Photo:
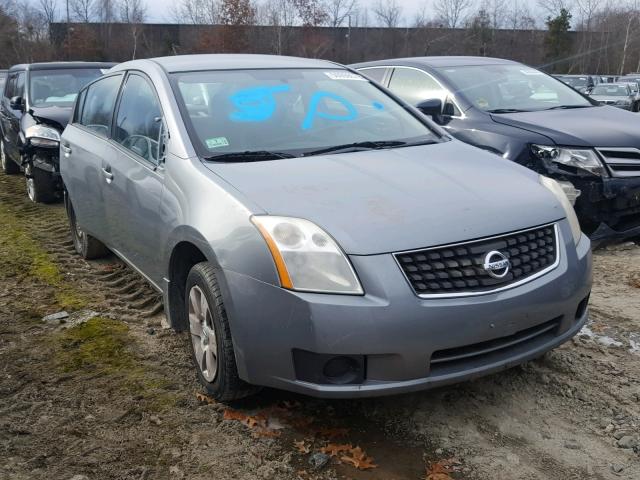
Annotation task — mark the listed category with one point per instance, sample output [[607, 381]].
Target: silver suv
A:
[[316, 234]]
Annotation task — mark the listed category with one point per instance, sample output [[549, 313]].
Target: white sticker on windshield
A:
[[344, 75], [217, 142], [531, 71]]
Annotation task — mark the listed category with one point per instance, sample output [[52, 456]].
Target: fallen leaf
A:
[[440, 470], [202, 398], [334, 449], [266, 433], [302, 446], [358, 458], [248, 420]]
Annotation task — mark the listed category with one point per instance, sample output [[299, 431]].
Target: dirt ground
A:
[[109, 393]]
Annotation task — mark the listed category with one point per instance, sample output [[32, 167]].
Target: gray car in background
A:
[[314, 233], [618, 95]]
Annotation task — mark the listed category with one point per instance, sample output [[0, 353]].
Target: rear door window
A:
[[99, 101]]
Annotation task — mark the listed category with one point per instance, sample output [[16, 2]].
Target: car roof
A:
[[186, 63], [60, 65], [435, 62]]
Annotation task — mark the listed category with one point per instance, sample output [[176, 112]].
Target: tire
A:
[[41, 187], [8, 166], [208, 325], [87, 246]]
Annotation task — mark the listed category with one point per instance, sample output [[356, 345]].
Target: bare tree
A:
[[452, 12], [553, 7], [198, 12], [49, 9], [340, 10], [82, 10], [388, 13], [105, 10], [133, 13]]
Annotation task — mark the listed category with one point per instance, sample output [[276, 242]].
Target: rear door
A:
[[84, 146], [134, 192]]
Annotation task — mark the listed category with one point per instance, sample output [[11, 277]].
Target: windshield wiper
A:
[[369, 145], [569, 107], [507, 110], [249, 156]]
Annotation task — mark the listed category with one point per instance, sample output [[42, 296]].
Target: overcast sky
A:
[[158, 10]]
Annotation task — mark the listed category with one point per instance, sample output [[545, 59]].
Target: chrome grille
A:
[[622, 162], [459, 269]]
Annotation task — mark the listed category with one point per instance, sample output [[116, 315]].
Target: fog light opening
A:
[[342, 370], [582, 307]]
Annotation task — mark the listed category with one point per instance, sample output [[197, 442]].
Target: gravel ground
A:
[[109, 393]]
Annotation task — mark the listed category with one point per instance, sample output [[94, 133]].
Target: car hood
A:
[[610, 98], [400, 199], [581, 127], [56, 115]]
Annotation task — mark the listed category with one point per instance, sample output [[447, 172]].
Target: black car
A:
[[35, 108], [525, 115]]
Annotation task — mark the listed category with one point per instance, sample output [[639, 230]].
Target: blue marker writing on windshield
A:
[[351, 113], [256, 104]]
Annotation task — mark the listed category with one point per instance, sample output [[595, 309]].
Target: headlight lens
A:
[[570, 213], [306, 257], [43, 136], [623, 102], [583, 159]]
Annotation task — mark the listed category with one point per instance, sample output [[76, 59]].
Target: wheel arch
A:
[[186, 249]]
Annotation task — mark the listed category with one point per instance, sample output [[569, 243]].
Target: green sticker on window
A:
[[217, 142]]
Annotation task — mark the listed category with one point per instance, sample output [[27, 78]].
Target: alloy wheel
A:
[[203, 335]]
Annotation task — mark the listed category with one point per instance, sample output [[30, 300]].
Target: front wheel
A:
[[87, 246], [41, 187], [8, 166], [210, 337]]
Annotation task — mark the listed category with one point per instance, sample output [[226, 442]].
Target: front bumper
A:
[[609, 208], [400, 334]]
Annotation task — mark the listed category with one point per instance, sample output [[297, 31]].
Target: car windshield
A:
[[59, 88], [575, 81], [292, 112], [509, 88], [611, 90]]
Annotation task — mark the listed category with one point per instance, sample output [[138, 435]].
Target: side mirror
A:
[[17, 103], [431, 107]]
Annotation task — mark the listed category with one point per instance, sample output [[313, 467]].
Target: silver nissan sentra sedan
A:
[[314, 233]]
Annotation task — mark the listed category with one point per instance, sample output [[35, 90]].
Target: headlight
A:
[[306, 257], [583, 159], [570, 213], [623, 102], [42, 136]]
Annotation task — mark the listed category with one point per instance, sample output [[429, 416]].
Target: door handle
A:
[[107, 174], [66, 150]]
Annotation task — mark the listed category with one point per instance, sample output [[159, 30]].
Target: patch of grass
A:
[[22, 256], [105, 346]]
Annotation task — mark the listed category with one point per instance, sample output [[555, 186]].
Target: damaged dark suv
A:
[[36, 106], [527, 116]]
